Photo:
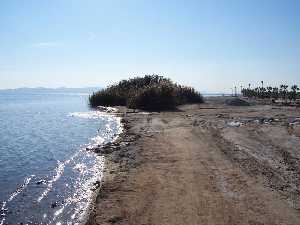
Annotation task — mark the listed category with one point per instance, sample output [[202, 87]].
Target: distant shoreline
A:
[[47, 90]]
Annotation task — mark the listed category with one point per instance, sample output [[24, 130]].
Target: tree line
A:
[[283, 92]]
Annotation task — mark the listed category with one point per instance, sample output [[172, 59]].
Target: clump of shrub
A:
[[157, 97], [237, 102], [151, 92]]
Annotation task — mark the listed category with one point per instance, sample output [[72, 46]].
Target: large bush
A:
[[158, 97], [151, 92]]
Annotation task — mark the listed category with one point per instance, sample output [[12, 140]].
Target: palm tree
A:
[[256, 92], [293, 92], [272, 92], [283, 91], [269, 91], [275, 93]]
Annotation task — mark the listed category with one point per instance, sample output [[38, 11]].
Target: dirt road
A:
[[205, 164]]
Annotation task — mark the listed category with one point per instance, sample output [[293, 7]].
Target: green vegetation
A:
[[151, 92], [273, 93]]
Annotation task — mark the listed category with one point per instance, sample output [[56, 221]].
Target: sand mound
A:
[[237, 102]]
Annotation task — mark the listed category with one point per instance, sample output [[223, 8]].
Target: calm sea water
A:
[[47, 176]]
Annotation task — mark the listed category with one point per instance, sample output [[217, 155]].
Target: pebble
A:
[[54, 204], [234, 124], [41, 182]]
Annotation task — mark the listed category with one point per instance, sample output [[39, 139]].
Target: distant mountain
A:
[[53, 90]]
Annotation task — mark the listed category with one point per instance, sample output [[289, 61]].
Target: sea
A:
[[48, 174]]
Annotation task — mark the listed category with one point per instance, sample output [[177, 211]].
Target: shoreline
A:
[[203, 164], [110, 152], [113, 159]]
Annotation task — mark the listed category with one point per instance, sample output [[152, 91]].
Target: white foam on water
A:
[[92, 115], [80, 167], [107, 109], [98, 140], [87, 115]]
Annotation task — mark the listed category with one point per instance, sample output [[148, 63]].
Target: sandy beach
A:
[[203, 164]]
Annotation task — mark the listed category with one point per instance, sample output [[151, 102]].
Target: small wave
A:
[[91, 115], [2, 215], [107, 109], [12, 196], [87, 115], [57, 213], [101, 112], [80, 167], [21, 188], [58, 172], [84, 190], [87, 165], [97, 140], [112, 131], [83, 197]]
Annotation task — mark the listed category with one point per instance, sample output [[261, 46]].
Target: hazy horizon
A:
[[210, 45], [47, 88], [80, 88]]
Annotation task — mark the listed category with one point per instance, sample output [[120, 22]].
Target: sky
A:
[[212, 45]]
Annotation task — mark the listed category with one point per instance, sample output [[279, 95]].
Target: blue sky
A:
[[209, 44]]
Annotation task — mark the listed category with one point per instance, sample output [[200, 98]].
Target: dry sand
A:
[[204, 164]]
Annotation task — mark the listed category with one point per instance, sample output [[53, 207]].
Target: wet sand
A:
[[204, 164]]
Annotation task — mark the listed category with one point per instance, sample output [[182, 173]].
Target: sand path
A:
[[188, 174]]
